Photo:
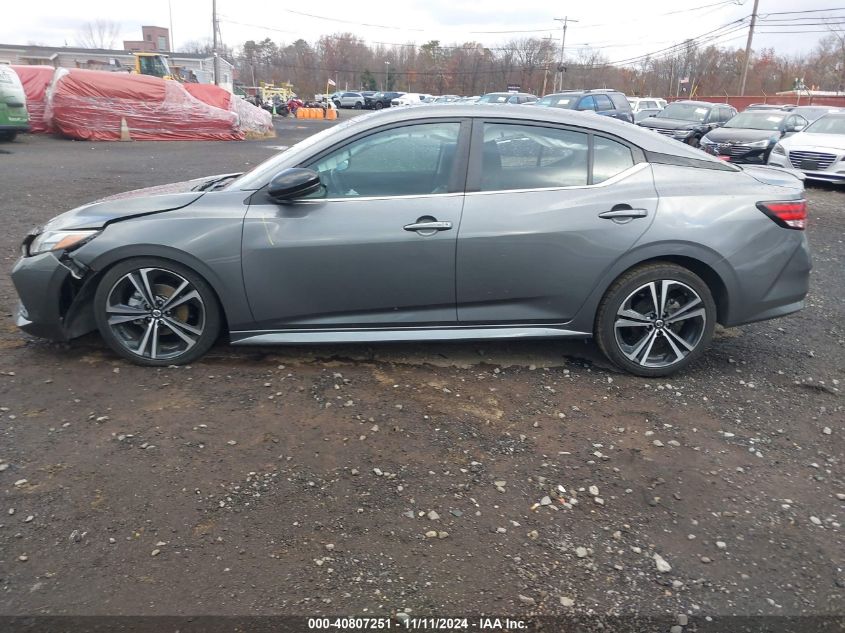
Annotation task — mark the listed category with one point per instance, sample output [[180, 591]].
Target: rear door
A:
[[548, 209]]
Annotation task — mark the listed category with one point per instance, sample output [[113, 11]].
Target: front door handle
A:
[[428, 226], [623, 213]]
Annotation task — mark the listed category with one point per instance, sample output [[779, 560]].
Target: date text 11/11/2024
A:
[[404, 621]]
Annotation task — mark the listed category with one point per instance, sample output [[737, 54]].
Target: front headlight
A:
[[760, 144], [59, 240], [778, 149], [682, 133]]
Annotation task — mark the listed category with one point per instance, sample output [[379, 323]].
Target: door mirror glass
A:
[[293, 183]]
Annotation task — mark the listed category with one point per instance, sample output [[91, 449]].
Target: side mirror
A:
[[293, 183]]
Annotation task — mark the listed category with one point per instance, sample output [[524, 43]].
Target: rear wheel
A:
[[379, 105], [655, 320], [156, 312]]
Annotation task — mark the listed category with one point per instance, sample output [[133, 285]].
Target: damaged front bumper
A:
[[54, 295]]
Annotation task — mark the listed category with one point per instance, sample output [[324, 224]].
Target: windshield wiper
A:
[[214, 183]]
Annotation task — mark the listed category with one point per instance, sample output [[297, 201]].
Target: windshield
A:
[[757, 121], [827, 125], [684, 112], [555, 101]]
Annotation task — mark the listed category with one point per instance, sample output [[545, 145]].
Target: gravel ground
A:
[[510, 478]]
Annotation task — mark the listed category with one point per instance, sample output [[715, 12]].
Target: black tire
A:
[[8, 136], [379, 105], [202, 313], [337, 104], [358, 105], [694, 141], [682, 285]]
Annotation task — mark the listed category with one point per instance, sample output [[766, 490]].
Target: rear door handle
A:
[[428, 226], [622, 214]]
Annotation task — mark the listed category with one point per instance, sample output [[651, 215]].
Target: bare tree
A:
[[98, 34]]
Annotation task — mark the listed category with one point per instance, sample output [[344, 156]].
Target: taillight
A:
[[790, 214]]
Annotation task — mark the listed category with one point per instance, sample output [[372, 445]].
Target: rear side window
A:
[[609, 158], [621, 101], [603, 103], [530, 157]]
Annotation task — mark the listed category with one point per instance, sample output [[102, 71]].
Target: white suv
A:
[[349, 100], [410, 98]]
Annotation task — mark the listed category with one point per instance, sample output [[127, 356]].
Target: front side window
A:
[[609, 158], [530, 157], [587, 103], [408, 160]]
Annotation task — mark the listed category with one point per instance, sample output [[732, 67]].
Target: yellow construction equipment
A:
[[153, 64]]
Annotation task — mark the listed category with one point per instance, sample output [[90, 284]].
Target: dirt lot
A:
[[302, 480]]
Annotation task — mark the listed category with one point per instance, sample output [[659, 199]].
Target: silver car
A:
[[818, 151], [450, 224]]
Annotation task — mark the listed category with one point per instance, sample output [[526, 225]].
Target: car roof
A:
[[646, 139], [706, 104]]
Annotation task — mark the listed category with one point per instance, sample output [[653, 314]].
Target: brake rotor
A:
[[163, 291]]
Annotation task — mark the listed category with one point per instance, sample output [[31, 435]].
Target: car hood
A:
[[740, 135], [129, 204], [815, 141], [668, 124]]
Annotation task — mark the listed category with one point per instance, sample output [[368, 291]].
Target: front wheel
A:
[[655, 320], [694, 141], [358, 105], [156, 312], [8, 136], [379, 105]]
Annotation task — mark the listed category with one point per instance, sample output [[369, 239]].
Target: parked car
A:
[[644, 103], [818, 151], [811, 113], [410, 98], [500, 98], [449, 227], [610, 103], [349, 100], [381, 100], [14, 117], [468, 100], [750, 136], [368, 93], [447, 99], [689, 121]]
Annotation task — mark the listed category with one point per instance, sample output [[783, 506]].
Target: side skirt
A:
[[371, 335]]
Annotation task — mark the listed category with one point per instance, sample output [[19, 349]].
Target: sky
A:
[[621, 30]]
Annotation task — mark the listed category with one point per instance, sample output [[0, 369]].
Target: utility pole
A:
[[564, 21], [214, 40], [748, 47], [386, 76], [170, 37]]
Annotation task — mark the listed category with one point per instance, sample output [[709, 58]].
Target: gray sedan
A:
[[450, 224]]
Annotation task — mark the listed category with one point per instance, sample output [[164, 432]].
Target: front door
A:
[[542, 223], [375, 248]]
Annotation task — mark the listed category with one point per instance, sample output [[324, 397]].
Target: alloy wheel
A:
[[660, 323], [155, 313]]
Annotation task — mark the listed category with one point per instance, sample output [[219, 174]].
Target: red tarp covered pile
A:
[[36, 80], [253, 121], [92, 105]]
